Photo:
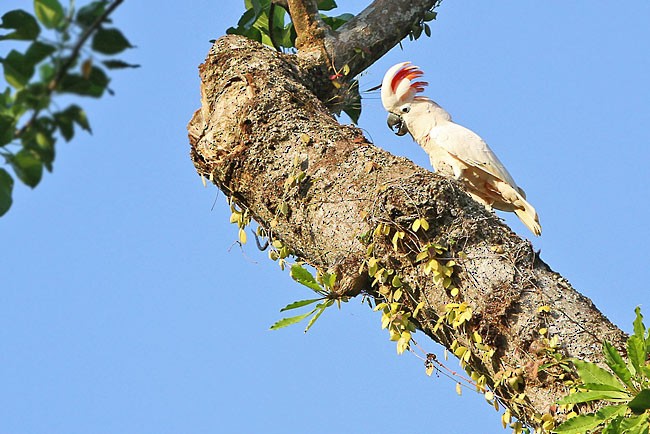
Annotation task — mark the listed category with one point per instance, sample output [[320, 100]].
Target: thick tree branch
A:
[[258, 116], [376, 30]]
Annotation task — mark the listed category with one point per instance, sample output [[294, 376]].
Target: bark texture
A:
[[259, 115], [361, 41]]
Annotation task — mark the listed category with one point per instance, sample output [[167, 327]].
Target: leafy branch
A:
[[30, 148], [72, 59]]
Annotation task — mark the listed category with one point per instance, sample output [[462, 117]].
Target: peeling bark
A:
[[258, 115]]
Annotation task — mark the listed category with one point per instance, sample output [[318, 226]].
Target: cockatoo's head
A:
[[398, 92]]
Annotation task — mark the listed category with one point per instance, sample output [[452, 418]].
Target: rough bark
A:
[[359, 43], [377, 29], [258, 115]]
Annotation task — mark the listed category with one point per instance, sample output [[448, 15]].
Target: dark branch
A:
[[282, 3]]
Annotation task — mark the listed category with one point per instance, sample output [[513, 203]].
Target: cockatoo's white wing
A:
[[467, 146]]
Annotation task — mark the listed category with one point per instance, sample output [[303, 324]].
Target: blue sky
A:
[[125, 305]]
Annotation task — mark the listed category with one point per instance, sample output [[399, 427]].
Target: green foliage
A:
[[50, 56], [24, 25], [626, 387], [421, 25], [255, 23], [322, 285], [49, 12], [6, 187], [110, 41], [278, 32]]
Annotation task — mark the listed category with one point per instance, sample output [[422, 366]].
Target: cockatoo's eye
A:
[[406, 109]]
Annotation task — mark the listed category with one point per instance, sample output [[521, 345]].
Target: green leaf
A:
[[23, 23], [639, 327], [46, 72], [353, 112], [49, 12], [7, 128], [329, 280], [634, 424], [6, 188], [301, 303], [17, 69], [326, 5], [250, 33], [321, 309], [430, 15], [290, 321], [78, 115], [33, 96], [416, 32], [257, 5], [248, 18], [304, 277], [27, 166], [595, 386], [45, 147], [579, 424], [641, 402], [636, 353], [38, 51], [94, 85], [590, 373], [118, 64], [610, 411], [287, 37], [65, 125], [338, 21], [110, 41], [65, 120], [88, 14], [616, 363], [596, 395], [39, 139], [613, 426]]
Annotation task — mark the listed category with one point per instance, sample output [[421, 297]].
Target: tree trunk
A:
[[260, 123]]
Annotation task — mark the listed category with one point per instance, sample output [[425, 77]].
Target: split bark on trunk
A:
[[259, 115]]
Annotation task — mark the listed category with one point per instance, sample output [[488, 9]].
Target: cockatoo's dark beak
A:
[[394, 121]]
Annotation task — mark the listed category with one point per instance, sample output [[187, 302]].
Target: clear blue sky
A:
[[125, 307]]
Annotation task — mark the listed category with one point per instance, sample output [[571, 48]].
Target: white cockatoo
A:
[[454, 150]]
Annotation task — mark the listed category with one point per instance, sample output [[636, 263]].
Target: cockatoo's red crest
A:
[[409, 72], [399, 87]]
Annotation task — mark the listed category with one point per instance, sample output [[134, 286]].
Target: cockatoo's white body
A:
[[454, 150]]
